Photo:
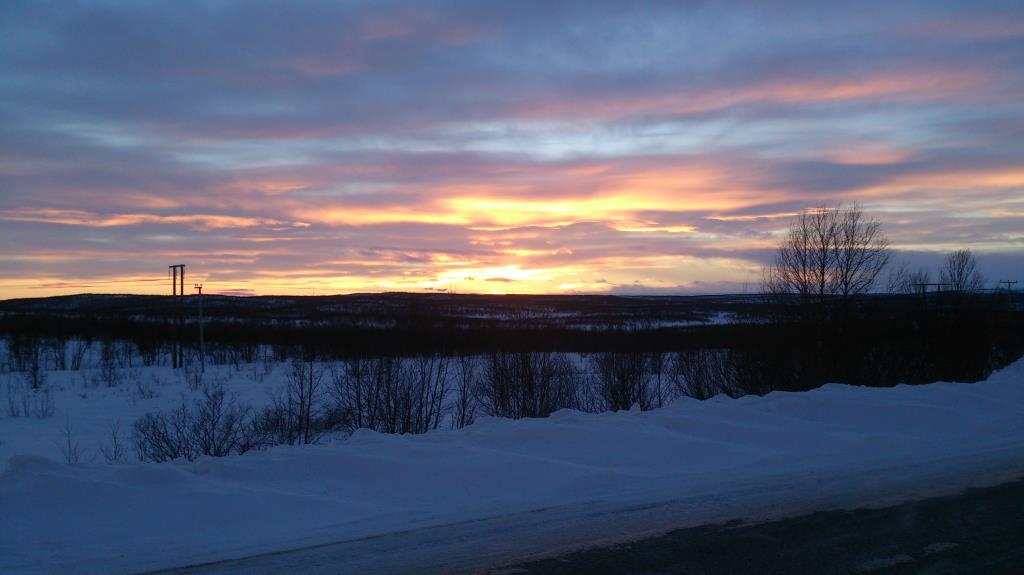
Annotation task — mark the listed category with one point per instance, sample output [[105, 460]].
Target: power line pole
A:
[[177, 354], [173, 272], [202, 342], [1009, 284]]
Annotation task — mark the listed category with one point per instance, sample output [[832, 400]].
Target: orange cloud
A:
[[90, 219]]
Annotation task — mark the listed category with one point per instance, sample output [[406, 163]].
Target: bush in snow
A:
[[660, 394], [705, 373], [43, 404], [463, 406], [79, 347], [701, 373], [35, 375], [214, 425], [263, 367], [114, 450], [304, 400], [69, 447], [192, 374], [389, 394], [360, 386], [425, 406], [146, 388], [622, 380], [109, 371], [22, 400], [298, 415], [528, 384]]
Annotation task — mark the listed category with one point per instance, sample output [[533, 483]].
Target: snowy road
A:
[[976, 531], [472, 546]]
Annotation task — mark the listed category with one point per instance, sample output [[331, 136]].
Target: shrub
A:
[[528, 384], [390, 395], [114, 451], [622, 380], [214, 425], [296, 416], [24, 401], [704, 373], [464, 405]]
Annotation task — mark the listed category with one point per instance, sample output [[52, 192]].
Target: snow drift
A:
[[99, 518]]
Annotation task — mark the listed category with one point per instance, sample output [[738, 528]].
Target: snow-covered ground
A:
[[82, 402], [721, 457]]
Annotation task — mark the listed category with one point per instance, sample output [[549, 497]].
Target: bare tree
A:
[[861, 253], [527, 384], [24, 401], [658, 365], [114, 451], [390, 395], [163, 437], [803, 260], [430, 387], [960, 272], [215, 425], [358, 389], [110, 372], [622, 380], [79, 347], [904, 281], [705, 373], [828, 252], [69, 448], [463, 408], [303, 397], [35, 375], [219, 423], [896, 283], [390, 401], [58, 350]]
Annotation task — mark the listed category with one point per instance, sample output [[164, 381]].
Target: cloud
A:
[[574, 147], [93, 220]]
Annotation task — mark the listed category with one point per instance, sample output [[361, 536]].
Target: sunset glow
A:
[[495, 148]]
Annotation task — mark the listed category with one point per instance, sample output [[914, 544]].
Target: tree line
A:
[[834, 254]]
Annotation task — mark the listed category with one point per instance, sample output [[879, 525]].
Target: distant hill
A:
[[565, 311]]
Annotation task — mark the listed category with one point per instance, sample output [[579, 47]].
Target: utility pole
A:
[[177, 354], [1009, 284], [202, 342]]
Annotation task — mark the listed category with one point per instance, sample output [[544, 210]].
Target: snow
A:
[[90, 407], [720, 458]]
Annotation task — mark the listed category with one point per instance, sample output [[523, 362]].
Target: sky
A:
[[495, 147]]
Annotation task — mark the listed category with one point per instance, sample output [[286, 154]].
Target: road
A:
[[479, 546], [980, 531]]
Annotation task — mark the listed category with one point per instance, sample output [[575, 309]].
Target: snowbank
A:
[[98, 518]]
